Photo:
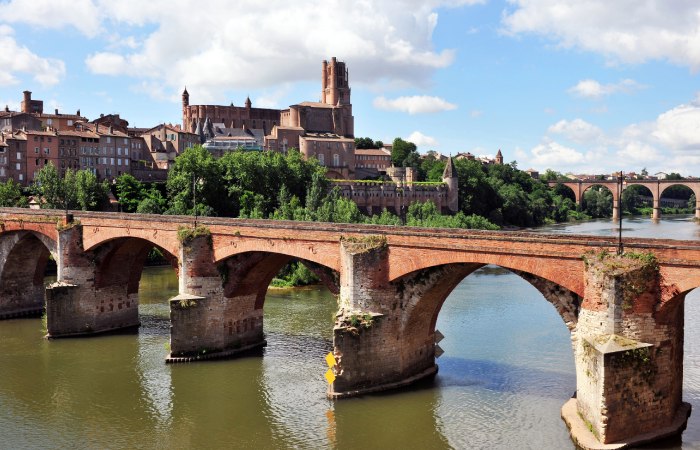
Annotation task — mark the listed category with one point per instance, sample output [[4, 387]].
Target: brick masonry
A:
[[391, 281]]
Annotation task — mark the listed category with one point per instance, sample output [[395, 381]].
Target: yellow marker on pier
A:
[[330, 375]]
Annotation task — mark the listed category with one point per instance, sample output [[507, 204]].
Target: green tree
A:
[[152, 203], [49, 188], [11, 195], [400, 151], [130, 192], [76, 190], [196, 175]]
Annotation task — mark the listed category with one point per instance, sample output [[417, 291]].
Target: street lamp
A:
[[195, 181], [620, 248]]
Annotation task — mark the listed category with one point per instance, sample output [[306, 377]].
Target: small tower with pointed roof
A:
[[449, 177], [185, 106], [499, 158]]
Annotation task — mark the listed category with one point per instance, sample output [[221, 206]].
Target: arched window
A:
[[336, 160], [321, 159]]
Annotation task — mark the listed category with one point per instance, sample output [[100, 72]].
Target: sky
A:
[[578, 86]]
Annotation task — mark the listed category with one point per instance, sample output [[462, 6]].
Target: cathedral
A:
[[323, 129]]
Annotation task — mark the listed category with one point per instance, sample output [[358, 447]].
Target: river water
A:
[[507, 370]]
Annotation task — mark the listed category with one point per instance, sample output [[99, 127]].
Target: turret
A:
[[185, 98], [449, 177], [499, 158], [27, 102], [248, 103]]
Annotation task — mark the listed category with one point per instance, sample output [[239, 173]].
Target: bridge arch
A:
[[320, 253], [119, 262], [565, 273], [24, 256], [250, 273], [426, 290], [96, 237]]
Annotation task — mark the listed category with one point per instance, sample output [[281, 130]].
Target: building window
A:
[[119, 161], [109, 140], [126, 162], [21, 176], [17, 167], [36, 150], [69, 122], [19, 155], [49, 121], [336, 160], [46, 151]]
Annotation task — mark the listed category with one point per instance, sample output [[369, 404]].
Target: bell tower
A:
[[335, 87], [185, 110]]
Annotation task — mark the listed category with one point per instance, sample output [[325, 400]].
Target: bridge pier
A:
[[367, 338], [384, 337], [76, 304], [615, 210], [629, 358], [205, 321], [656, 212]]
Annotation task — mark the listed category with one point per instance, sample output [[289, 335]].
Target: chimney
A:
[[56, 111], [78, 113]]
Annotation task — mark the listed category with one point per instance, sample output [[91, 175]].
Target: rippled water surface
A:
[[506, 371]]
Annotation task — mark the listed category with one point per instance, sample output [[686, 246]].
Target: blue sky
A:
[[577, 86]]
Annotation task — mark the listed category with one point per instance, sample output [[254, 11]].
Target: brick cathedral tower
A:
[[335, 89]]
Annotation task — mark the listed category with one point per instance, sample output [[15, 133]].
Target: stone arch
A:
[[323, 254], [564, 273], [119, 263], [24, 255], [570, 187], [423, 293], [96, 237], [249, 274], [665, 187], [588, 186], [653, 192]]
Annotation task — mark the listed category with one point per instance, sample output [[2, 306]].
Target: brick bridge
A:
[[625, 315], [657, 188]]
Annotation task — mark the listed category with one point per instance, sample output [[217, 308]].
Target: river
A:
[[506, 371]]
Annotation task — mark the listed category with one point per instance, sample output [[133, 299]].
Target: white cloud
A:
[[422, 140], [83, 15], [669, 142], [593, 89], [679, 128], [387, 43], [626, 31], [476, 113], [552, 154], [16, 59], [416, 104], [577, 130]]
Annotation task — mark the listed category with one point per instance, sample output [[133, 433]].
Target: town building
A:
[[56, 121], [13, 120], [371, 162], [162, 144]]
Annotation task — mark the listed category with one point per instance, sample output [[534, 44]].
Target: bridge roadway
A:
[[657, 188], [625, 316]]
